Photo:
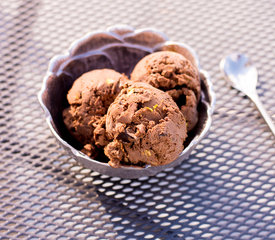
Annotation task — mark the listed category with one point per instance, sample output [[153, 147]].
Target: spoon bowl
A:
[[242, 75]]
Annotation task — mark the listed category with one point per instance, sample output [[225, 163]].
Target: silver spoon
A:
[[243, 76]]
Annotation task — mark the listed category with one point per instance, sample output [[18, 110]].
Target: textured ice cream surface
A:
[[187, 102], [145, 127], [173, 73], [89, 99]]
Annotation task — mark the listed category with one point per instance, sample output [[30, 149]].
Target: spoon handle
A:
[[254, 97]]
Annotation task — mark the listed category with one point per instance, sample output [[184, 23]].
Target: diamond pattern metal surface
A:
[[226, 190]]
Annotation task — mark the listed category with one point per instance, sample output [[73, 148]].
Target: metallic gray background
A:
[[225, 190]]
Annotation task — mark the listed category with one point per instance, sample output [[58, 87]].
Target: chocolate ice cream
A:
[[89, 99], [173, 73], [145, 126]]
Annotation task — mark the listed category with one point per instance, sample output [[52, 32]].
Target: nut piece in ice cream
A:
[[89, 99], [173, 73], [145, 127]]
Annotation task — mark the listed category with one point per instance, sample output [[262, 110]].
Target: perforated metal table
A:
[[226, 190]]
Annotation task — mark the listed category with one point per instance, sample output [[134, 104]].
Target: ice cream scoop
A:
[[89, 99], [175, 74], [145, 126]]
